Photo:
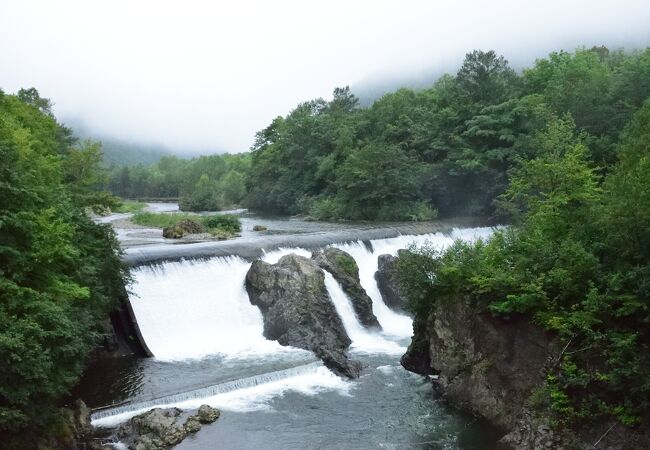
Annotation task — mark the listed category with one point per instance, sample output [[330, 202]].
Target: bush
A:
[[224, 222]]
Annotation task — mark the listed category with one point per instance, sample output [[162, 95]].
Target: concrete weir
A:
[[253, 247]]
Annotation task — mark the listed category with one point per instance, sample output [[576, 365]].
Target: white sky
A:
[[206, 75]]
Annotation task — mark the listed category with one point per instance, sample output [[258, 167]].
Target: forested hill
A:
[[446, 150]]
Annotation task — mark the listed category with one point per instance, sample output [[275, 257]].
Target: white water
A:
[[363, 340], [393, 323], [192, 309], [247, 394]]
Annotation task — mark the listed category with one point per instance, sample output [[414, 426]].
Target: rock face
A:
[[181, 228], [161, 428], [297, 310], [485, 365], [387, 282], [490, 367], [344, 269]]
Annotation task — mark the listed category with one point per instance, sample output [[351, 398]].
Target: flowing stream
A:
[[208, 347]]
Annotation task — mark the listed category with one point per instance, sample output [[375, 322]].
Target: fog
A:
[[205, 76]]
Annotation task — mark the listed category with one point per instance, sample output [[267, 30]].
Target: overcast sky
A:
[[206, 75]]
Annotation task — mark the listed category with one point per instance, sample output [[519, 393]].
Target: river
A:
[[206, 338]]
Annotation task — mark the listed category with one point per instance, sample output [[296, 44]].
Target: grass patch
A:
[[162, 220], [130, 206], [222, 226]]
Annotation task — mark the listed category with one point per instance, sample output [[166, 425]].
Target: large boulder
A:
[[388, 283], [298, 311], [345, 271], [182, 228]]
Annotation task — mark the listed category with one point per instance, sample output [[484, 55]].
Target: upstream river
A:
[[206, 338]]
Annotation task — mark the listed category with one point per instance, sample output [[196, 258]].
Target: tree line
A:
[[446, 150], [206, 183]]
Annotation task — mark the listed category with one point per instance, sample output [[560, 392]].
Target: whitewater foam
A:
[[363, 340], [246, 394], [191, 309]]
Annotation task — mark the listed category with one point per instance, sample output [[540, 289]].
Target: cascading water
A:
[[395, 324], [192, 309], [363, 340], [245, 394], [199, 310]]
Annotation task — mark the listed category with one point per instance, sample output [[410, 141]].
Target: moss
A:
[[348, 265]]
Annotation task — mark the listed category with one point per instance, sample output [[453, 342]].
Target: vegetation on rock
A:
[[576, 261]]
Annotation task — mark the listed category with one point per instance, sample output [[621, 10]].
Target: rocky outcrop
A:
[[345, 271], [388, 283], [485, 365], [161, 428], [490, 367], [182, 228], [297, 310]]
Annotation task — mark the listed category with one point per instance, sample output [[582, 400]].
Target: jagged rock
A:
[[345, 271], [81, 419], [208, 414], [486, 365], [388, 283], [259, 228], [417, 358], [181, 228], [297, 310]]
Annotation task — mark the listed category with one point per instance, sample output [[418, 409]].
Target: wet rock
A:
[[192, 424], [156, 429], [486, 365], [345, 271], [208, 414], [181, 228], [297, 310], [259, 228], [388, 283], [417, 358]]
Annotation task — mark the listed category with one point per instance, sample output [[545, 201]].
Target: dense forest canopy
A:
[[576, 262], [446, 150], [212, 182], [60, 273]]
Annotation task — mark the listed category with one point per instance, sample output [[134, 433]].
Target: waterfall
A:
[[245, 394], [194, 308], [393, 323], [191, 309], [363, 340]]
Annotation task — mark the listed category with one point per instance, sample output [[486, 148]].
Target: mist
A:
[[202, 77]]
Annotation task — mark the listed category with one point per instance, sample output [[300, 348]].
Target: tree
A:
[[485, 78]]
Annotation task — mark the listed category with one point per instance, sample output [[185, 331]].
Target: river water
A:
[[207, 342]]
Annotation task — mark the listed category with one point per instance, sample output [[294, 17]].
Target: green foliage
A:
[[226, 222], [215, 223], [447, 149], [207, 183], [576, 262], [60, 273], [348, 264]]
